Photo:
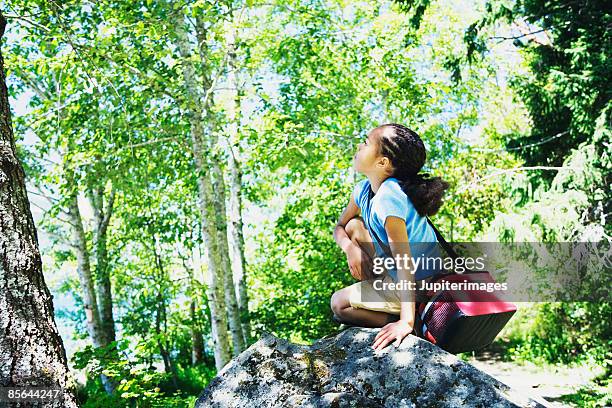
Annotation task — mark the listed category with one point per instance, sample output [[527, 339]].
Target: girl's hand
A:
[[358, 261], [392, 331]]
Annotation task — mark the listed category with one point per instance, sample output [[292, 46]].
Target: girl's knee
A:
[[339, 301], [359, 234], [335, 303], [355, 227]]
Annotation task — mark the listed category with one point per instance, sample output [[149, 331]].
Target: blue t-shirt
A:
[[390, 200]]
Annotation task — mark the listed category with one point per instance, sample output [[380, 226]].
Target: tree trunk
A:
[[88, 292], [235, 233], [161, 318], [206, 199], [236, 240], [228, 281], [32, 350], [197, 340], [219, 199], [231, 301], [102, 215]]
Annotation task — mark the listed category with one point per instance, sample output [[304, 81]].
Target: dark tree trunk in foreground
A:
[[31, 350]]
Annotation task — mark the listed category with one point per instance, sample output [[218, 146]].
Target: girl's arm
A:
[[354, 255], [400, 248], [340, 235]]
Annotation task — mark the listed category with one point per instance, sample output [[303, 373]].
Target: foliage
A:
[[306, 264], [592, 395], [566, 333], [138, 382], [105, 111], [567, 47]]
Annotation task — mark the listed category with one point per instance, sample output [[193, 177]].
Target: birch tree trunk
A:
[[88, 292], [102, 215], [219, 200], [206, 197], [235, 232], [228, 281], [32, 352]]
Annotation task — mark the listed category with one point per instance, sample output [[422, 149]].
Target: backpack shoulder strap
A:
[[447, 247], [387, 250]]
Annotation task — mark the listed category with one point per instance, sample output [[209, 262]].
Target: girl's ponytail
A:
[[407, 154], [425, 192]]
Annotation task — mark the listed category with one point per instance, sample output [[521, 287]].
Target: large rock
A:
[[344, 371]]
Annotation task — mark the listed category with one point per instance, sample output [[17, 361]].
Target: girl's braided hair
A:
[[407, 154]]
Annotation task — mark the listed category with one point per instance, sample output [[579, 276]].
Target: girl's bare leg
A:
[[360, 317], [340, 304], [359, 234]]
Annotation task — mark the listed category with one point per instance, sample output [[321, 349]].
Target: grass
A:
[[596, 394]]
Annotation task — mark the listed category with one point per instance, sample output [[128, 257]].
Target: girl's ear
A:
[[384, 162]]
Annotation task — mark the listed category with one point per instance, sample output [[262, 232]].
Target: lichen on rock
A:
[[344, 371]]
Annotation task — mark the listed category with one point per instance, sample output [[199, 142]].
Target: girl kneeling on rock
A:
[[386, 217]]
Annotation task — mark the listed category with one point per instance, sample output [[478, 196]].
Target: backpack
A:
[[459, 320]]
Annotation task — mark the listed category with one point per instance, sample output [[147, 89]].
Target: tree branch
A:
[[32, 23], [516, 37]]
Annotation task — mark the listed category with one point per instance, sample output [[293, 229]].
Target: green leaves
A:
[[106, 109]]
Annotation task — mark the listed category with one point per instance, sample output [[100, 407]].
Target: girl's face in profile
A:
[[367, 153]]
